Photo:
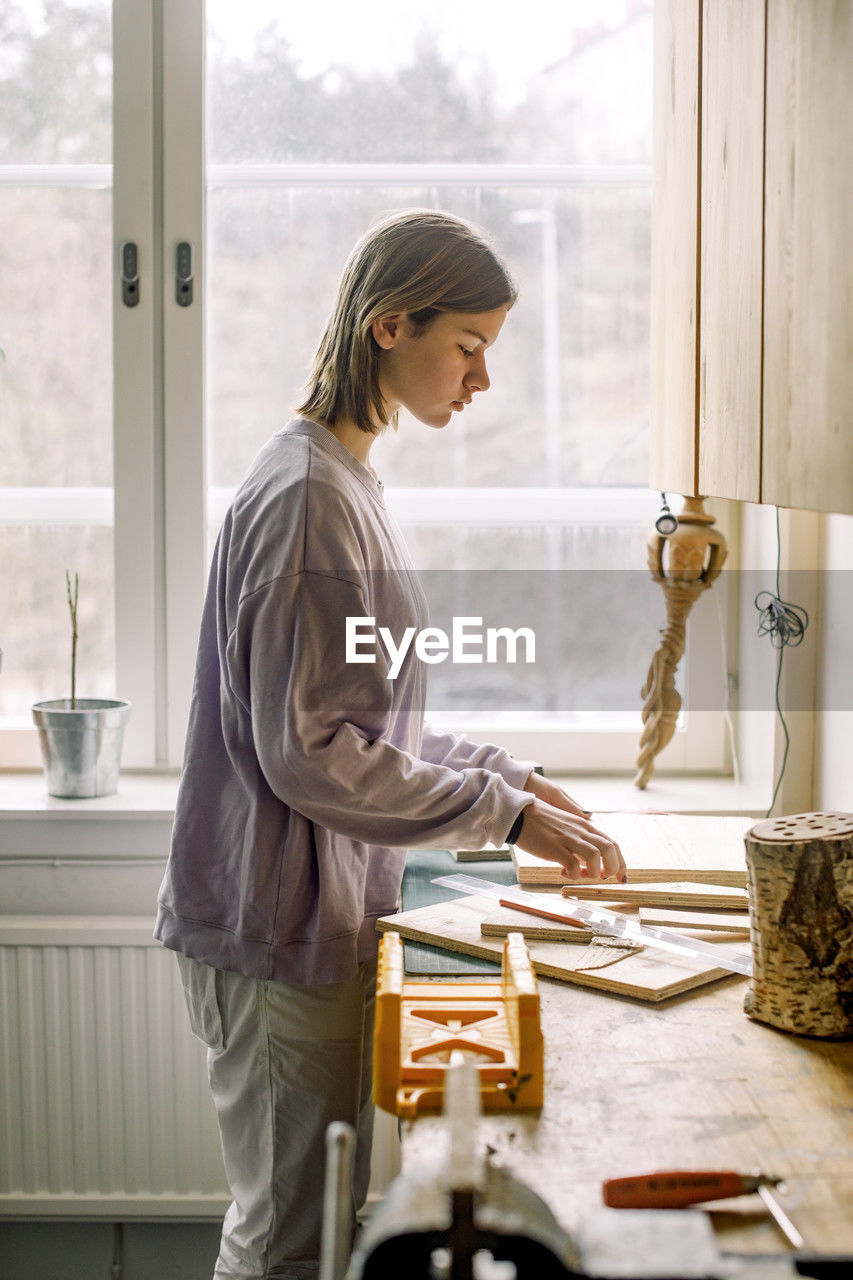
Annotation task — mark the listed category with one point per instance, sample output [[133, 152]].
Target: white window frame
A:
[[159, 513], [159, 424]]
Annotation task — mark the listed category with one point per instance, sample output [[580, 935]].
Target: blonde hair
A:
[[419, 261]]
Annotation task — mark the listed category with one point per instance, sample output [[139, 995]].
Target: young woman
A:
[[307, 776]]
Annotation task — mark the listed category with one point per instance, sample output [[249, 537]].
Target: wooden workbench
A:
[[693, 1083]]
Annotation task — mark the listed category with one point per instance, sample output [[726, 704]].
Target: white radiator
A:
[[104, 1104]]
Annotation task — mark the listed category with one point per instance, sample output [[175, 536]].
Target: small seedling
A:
[[72, 608]]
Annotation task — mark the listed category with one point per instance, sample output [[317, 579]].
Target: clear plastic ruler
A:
[[602, 920]]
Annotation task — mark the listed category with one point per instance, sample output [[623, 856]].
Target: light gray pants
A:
[[284, 1061]]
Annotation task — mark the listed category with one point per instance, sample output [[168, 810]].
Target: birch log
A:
[[800, 879]]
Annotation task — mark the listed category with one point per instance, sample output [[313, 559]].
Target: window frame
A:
[[160, 494], [137, 395]]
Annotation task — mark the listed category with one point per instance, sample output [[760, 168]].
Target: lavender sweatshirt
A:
[[306, 777]]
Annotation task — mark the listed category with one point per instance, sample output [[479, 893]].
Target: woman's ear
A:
[[386, 330]]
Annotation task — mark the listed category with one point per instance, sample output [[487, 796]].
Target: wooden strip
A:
[[488, 853], [698, 897], [505, 921], [726, 922]]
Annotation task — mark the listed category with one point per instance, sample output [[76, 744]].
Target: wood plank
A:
[[692, 896], [488, 853], [731, 249], [505, 920], [660, 848], [808, 298], [647, 975], [722, 921], [675, 215]]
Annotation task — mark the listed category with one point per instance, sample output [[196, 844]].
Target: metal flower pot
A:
[[81, 749]]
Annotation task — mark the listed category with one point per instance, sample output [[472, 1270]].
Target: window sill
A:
[[149, 799], [23, 793], [676, 793], [135, 823]]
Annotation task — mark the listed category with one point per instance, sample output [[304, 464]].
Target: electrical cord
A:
[[786, 625]]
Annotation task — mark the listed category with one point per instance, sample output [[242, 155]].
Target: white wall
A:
[[760, 735], [834, 732]]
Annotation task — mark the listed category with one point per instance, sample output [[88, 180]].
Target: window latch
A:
[[184, 274], [129, 273]]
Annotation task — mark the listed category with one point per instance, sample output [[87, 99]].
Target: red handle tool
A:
[[675, 1188]]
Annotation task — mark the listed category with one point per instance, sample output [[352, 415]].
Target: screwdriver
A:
[[675, 1188]]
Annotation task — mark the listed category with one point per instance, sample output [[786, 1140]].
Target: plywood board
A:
[[661, 847], [647, 975], [724, 921]]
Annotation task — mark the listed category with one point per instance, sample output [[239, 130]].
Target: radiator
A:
[[104, 1103]]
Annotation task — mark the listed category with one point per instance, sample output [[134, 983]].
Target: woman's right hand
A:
[[570, 839]]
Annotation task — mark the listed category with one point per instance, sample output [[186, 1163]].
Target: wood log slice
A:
[[800, 880]]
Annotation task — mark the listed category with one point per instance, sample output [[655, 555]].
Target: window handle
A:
[[184, 274], [129, 273]]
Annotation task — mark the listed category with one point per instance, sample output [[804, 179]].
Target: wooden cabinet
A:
[[752, 251]]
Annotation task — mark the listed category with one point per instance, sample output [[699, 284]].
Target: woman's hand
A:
[[552, 794], [555, 827]]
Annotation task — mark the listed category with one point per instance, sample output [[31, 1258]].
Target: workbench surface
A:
[[693, 1083]]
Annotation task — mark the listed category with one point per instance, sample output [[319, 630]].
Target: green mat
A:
[[422, 866]]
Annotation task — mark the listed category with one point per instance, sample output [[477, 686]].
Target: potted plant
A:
[[80, 738]]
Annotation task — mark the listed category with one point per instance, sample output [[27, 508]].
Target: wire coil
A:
[[784, 623]]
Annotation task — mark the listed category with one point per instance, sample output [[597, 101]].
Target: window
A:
[[537, 127], [56, 370]]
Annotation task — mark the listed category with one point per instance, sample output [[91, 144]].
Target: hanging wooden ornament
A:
[[685, 563]]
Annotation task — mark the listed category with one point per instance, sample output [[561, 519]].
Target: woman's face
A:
[[440, 371]]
